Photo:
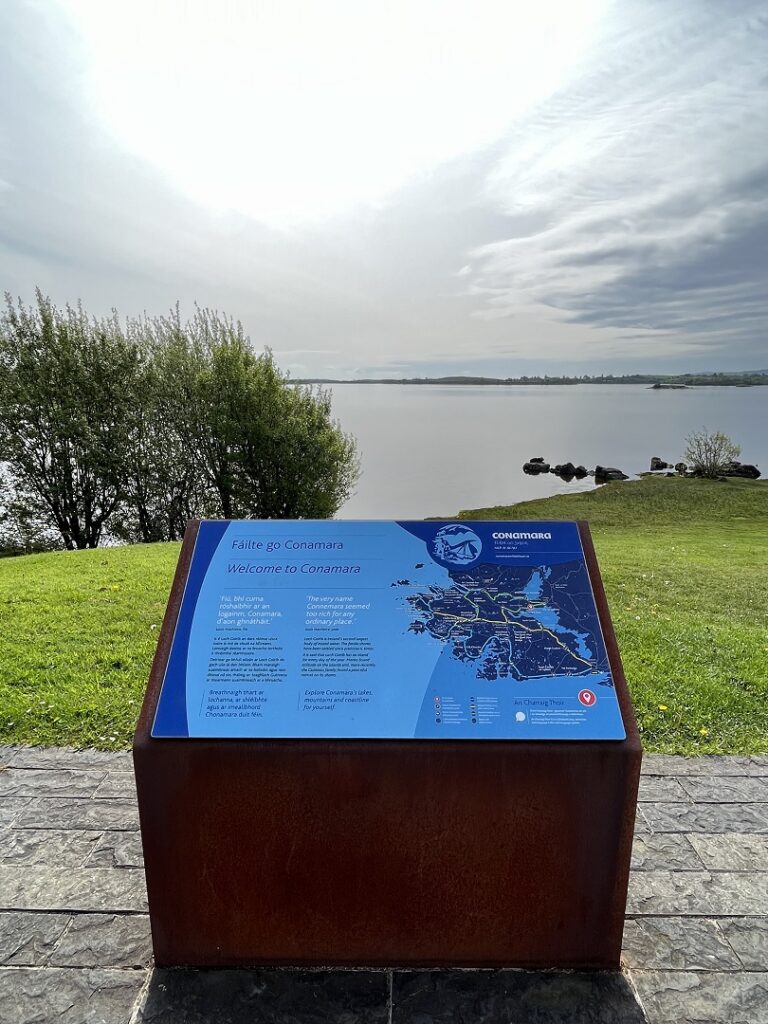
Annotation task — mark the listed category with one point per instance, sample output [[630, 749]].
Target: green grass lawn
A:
[[685, 563], [77, 634]]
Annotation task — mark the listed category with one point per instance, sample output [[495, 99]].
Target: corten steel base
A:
[[386, 852]]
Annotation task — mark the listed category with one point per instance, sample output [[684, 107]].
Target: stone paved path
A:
[[75, 945]]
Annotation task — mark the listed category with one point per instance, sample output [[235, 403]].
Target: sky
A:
[[406, 188]]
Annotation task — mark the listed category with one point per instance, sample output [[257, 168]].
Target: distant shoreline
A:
[[678, 382]]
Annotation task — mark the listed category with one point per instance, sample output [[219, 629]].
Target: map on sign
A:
[[341, 629], [516, 623]]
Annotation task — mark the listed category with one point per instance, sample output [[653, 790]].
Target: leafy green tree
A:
[[67, 403], [126, 433], [224, 408], [165, 483], [270, 449], [297, 462], [709, 452], [224, 433], [195, 385]]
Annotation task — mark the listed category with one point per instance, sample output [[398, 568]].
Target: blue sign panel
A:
[[429, 630]]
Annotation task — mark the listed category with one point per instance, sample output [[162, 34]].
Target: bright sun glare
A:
[[299, 110]]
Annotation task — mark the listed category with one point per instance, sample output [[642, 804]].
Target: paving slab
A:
[[11, 808], [68, 757], [678, 943], [104, 940], [731, 852], [46, 812], [748, 937], [27, 940], [47, 846], [703, 997], [266, 997], [713, 818], [724, 790], [709, 764], [493, 997], [698, 893], [30, 995], [7, 750], [641, 822], [83, 889], [45, 782], [117, 850], [665, 851], [117, 785], [662, 789]]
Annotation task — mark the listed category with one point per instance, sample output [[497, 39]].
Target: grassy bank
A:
[[77, 634], [685, 564]]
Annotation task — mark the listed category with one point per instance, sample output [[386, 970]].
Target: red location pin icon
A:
[[587, 698]]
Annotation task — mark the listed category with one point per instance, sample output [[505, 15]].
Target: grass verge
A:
[[77, 634]]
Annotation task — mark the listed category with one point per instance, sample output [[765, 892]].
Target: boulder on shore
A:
[[605, 474], [568, 471], [681, 468], [657, 464], [741, 469]]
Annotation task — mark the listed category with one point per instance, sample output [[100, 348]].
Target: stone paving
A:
[[75, 945]]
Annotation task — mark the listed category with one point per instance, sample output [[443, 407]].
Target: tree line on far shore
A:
[[117, 431], [749, 378]]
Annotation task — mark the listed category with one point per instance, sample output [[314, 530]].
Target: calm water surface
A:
[[431, 451]]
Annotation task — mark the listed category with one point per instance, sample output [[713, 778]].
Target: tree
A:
[[224, 409], [127, 433], [270, 449], [25, 527], [708, 453], [165, 483], [295, 462], [68, 395], [237, 438]]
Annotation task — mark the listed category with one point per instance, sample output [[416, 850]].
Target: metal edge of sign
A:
[[148, 712], [623, 696]]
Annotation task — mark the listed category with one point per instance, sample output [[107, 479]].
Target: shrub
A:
[[709, 452]]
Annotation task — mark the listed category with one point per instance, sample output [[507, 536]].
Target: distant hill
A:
[[735, 378]]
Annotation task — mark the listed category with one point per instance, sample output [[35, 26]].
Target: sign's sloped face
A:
[[372, 630]]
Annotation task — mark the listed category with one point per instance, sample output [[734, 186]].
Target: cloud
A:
[[641, 190], [85, 220], [621, 224]]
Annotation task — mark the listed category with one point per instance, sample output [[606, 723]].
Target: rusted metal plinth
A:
[[407, 852]]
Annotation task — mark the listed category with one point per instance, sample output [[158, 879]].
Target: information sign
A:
[[381, 629]]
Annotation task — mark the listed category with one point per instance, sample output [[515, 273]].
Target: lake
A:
[[429, 450]]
